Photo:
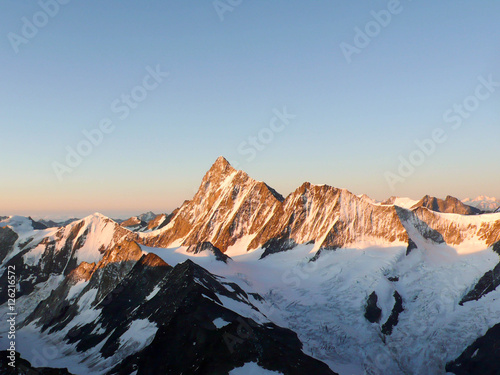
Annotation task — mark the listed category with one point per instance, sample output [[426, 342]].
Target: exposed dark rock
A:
[[423, 228], [56, 311], [7, 240], [228, 205], [411, 246], [486, 284], [373, 313], [185, 303], [201, 347], [448, 205], [319, 253], [277, 195], [257, 296], [482, 357], [134, 223], [277, 245], [37, 225], [57, 224], [160, 221], [394, 317], [496, 248], [23, 272], [207, 246], [23, 367]]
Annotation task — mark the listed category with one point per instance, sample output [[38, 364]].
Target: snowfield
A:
[[324, 301]]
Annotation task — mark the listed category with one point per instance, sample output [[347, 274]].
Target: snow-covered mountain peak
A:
[[404, 202], [218, 171], [17, 223], [368, 199], [147, 216], [228, 206], [95, 217], [448, 205]]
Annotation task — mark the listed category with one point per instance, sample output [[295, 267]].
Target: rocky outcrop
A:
[[181, 315], [393, 319], [7, 240], [228, 206], [455, 230], [57, 310], [448, 205], [134, 224], [160, 221], [331, 218], [23, 367], [373, 313], [486, 284], [201, 345], [62, 251], [481, 357], [207, 246]]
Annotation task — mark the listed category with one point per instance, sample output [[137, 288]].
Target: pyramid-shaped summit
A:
[[228, 206], [218, 171]]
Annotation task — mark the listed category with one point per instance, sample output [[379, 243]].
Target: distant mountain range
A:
[[483, 203], [241, 280]]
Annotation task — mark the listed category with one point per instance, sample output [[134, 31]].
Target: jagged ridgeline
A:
[[241, 279]]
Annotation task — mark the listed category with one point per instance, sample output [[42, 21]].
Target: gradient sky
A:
[[353, 120]]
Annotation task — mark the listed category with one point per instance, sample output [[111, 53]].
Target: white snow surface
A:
[[405, 202], [483, 202], [324, 301], [24, 229], [219, 323], [101, 231], [139, 335], [18, 224], [252, 368], [153, 293]]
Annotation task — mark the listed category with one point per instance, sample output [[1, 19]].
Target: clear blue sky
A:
[[353, 120]]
